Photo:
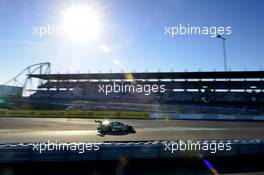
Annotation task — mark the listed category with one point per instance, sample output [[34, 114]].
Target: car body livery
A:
[[115, 126]]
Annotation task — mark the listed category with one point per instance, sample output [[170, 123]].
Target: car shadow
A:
[[118, 133]]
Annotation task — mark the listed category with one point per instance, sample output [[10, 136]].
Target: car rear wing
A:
[[98, 121]]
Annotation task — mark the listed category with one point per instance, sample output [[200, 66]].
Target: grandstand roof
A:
[[152, 75]]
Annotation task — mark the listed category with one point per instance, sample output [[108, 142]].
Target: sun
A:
[[81, 23]]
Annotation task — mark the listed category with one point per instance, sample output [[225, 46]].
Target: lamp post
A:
[[224, 51]]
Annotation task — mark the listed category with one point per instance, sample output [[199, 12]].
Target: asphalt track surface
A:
[[27, 130]]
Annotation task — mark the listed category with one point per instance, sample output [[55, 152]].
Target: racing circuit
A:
[[26, 130], [207, 107]]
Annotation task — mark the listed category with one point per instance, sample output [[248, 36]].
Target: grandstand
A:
[[238, 87], [236, 92]]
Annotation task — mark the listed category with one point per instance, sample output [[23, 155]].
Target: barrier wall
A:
[[115, 151], [205, 117], [72, 114], [124, 115]]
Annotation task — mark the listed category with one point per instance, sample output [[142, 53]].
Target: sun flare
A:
[[81, 23]]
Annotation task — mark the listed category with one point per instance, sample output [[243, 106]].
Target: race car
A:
[[115, 126]]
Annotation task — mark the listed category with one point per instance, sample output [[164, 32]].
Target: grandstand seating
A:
[[196, 87]]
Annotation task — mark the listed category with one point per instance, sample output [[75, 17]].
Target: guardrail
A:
[[206, 117], [118, 150], [124, 115], [73, 114]]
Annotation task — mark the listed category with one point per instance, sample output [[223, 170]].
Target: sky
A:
[[129, 35]]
